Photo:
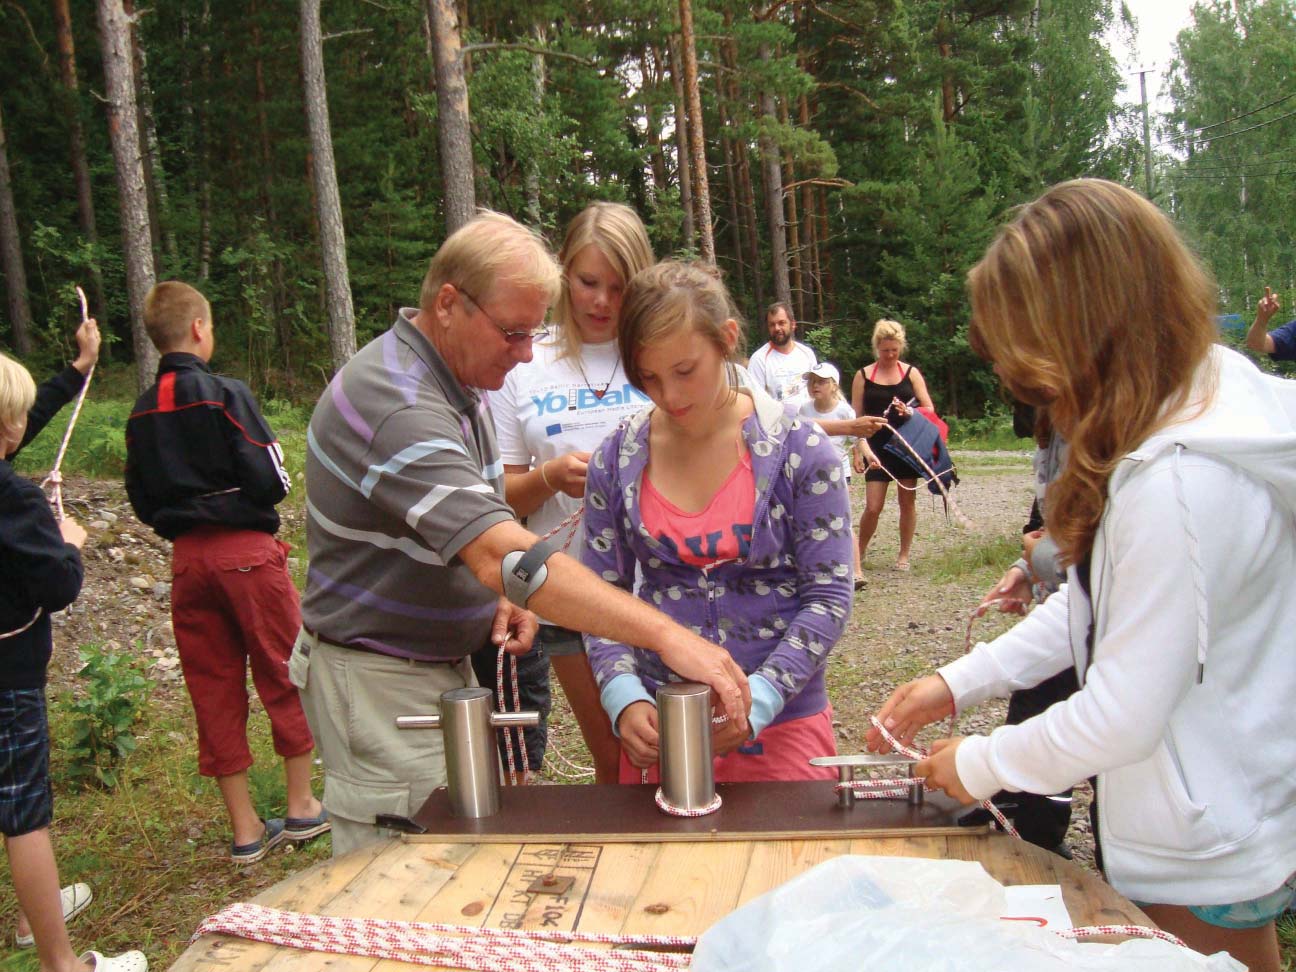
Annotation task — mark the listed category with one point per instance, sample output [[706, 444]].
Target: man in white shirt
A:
[[778, 366]]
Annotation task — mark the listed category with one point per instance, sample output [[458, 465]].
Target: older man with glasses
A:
[[416, 560]]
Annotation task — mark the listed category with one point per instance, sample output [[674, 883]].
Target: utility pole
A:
[[1147, 135]]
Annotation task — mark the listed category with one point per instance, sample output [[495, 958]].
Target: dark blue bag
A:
[[925, 439]]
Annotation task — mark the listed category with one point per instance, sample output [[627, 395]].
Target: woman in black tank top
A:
[[875, 391]]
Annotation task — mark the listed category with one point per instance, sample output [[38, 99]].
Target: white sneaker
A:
[[125, 962], [76, 899]]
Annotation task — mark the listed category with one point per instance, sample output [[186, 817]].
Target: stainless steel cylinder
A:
[[684, 721], [915, 790], [472, 761]]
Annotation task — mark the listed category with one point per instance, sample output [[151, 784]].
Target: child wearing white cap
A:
[[826, 405]]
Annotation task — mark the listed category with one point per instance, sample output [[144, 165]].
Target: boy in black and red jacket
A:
[[204, 470]]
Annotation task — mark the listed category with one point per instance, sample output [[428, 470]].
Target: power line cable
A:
[[1227, 121], [1233, 166], [1243, 131]]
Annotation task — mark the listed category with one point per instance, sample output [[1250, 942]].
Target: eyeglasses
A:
[[537, 333]]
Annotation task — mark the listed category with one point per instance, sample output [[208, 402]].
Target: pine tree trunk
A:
[[683, 167], [656, 155], [11, 257], [697, 143], [827, 297], [76, 145], [793, 229], [453, 134], [337, 285], [204, 149], [747, 206], [164, 240], [539, 79], [123, 128], [813, 300], [773, 178], [727, 151], [278, 284]]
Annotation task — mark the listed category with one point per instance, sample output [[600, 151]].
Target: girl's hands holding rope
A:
[[726, 737], [941, 771], [566, 473], [88, 340], [864, 459], [73, 532], [1011, 594], [911, 706], [637, 726]]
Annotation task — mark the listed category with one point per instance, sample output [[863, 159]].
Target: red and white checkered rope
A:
[[55, 479], [503, 660], [1133, 931], [498, 949], [879, 789], [666, 807], [920, 752], [459, 946]]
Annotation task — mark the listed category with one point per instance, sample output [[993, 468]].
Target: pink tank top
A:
[[720, 532]]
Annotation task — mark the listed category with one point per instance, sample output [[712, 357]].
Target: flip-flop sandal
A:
[[902, 565], [133, 961], [76, 898]]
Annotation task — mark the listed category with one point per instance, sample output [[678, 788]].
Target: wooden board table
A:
[[622, 885]]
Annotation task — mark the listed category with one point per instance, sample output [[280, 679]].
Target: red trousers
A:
[[233, 602]]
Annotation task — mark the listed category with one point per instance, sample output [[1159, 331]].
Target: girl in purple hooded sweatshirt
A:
[[734, 516]]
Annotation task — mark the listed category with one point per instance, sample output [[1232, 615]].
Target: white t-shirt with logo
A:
[[842, 410], [548, 408], [782, 375]]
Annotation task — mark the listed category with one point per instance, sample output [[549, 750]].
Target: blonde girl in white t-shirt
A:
[[549, 416]]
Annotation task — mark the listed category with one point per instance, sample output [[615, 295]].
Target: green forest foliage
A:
[[920, 123]]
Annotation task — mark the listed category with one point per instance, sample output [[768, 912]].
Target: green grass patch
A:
[[980, 558], [154, 847], [97, 447], [990, 432]]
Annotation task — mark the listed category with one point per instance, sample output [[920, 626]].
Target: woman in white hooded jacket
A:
[[1176, 515]]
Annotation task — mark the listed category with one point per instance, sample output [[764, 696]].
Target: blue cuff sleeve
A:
[[767, 703], [620, 692], [1284, 339]]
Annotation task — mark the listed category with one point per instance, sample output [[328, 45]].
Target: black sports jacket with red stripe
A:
[[199, 452]]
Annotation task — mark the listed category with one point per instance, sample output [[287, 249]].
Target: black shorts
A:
[[897, 466], [26, 800]]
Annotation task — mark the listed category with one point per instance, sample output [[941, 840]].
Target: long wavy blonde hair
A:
[[1089, 302], [618, 233]]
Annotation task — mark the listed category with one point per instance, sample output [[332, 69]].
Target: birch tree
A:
[[123, 129], [328, 202]]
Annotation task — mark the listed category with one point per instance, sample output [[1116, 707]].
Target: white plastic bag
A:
[[912, 913]]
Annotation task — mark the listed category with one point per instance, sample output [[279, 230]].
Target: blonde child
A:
[[827, 407], [40, 572]]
